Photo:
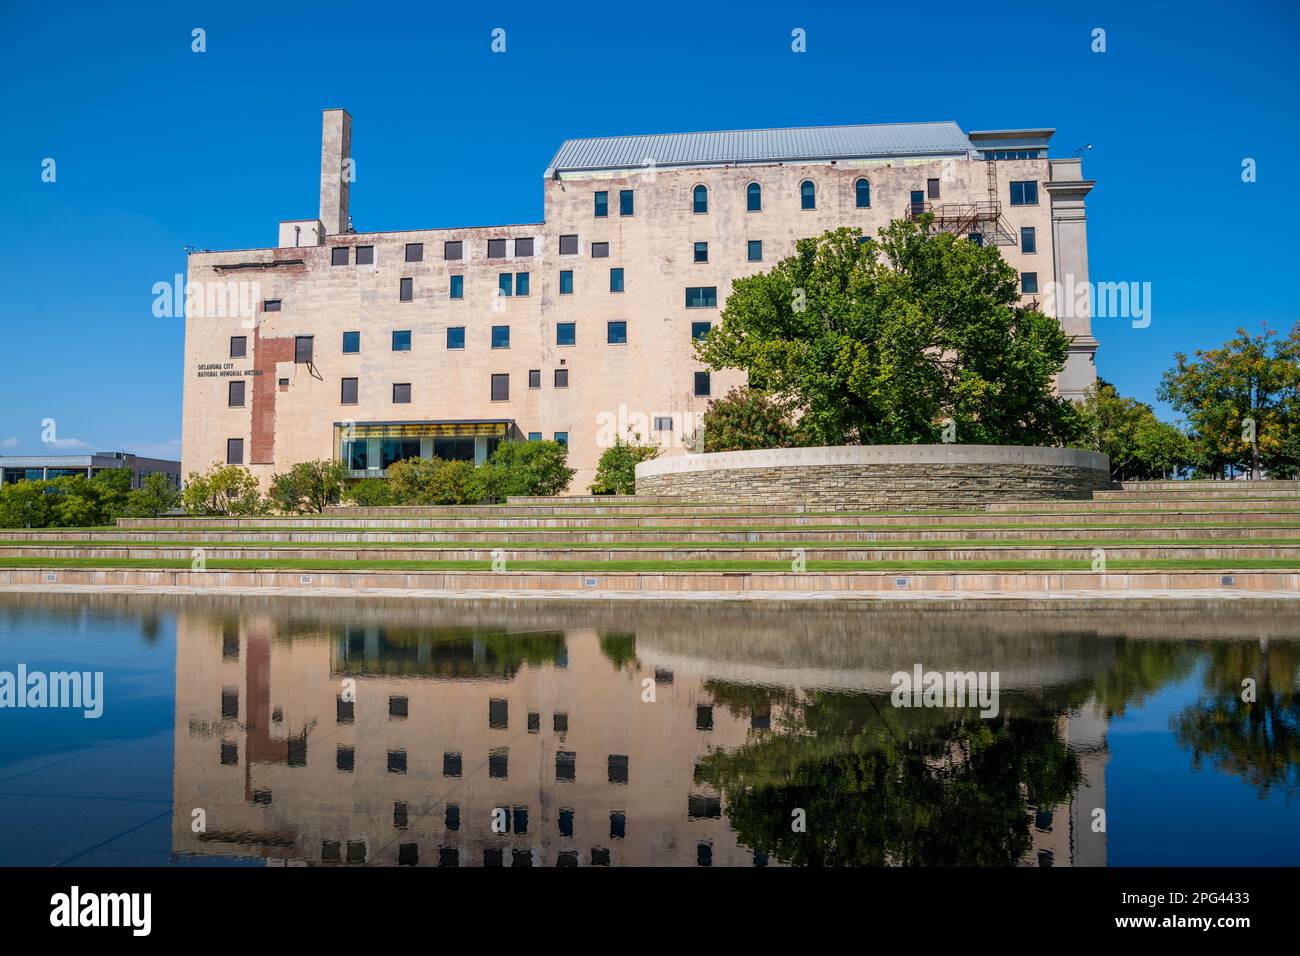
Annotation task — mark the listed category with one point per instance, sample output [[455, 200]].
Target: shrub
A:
[[308, 487], [616, 471], [26, 504], [370, 493], [154, 497], [411, 480], [223, 490], [745, 419], [526, 468]]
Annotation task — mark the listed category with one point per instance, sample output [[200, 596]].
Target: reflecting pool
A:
[[385, 732]]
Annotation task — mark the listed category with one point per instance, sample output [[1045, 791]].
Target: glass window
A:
[[235, 395], [365, 255], [663, 423], [754, 197], [600, 250], [562, 438], [977, 238], [625, 202], [568, 245], [238, 346], [1024, 193], [523, 247], [566, 333], [402, 341], [534, 436], [415, 252], [1028, 239], [458, 287], [501, 336], [356, 453], [615, 280], [932, 188], [807, 195], [699, 330], [496, 249], [339, 256], [406, 290], [862, 194], [1029, 283], [702, 297], [302, 349], [602, 204], [534, 378], [561, 378], [566, 282], [453, 250], [401, 393], [521, 283], [616, 333], [270, 305], [500, 388], [756, 250], [701, 252], [506, 283], [234, 451], [702, 384], [397, 449], [456, 337], [351, 343], [348, 392], [700, 199]]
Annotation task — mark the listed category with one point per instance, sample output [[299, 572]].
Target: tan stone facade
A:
[[295, 410]]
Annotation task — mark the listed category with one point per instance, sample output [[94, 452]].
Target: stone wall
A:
[[884, 477]]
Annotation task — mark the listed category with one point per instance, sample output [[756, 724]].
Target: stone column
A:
[[335, 150], [1070, 300]]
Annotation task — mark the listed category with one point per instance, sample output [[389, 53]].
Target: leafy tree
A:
[[154, 497], [370, 493], [881, 341], [746, 419], [1220, 391], [411, 480], [526, 468], [26, 504], [616, 470], [1139, 445], [223, 490], [308, 487], [456, 483]]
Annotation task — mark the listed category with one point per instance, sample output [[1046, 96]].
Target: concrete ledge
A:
[[865, 477]]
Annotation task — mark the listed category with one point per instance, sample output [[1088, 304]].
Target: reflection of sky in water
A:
[[101, 791]]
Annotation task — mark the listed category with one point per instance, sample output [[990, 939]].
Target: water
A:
[[280, 731]]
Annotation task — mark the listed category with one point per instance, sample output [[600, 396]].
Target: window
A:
[[566, 282], [560, 719], [700, 199], [235, 395], [703, 717], [616, 333], [1029, 283], [615, 280], [456, 337], [358, 458], [496, 249], [500, 388], [270, 305], [402, 341], [702, 297], [862, 194], [351, 343], [600, 250], [365, 255], [1024, 193], [618, 825], [1028, 239], [501, 336], [663, 423], [498, 714], [566, 333], [807, 195], [617, 768], [453, 250], [756, 250], [345, 759], [754, 198], [521, 283], [701, 252], [932, 189], [977, 238], [625, 202], [524, 247], [458, 287], [918, 202], [302, 349], [505, 283], [401, 393], [348, 393], [566, 765], [702, 384], [415, 252], [234, 451], [561, 378], [238, 346], [699, 330], [535, 381], [568, 245], [563, 439], [602, 204], [399, 708], [535, 436], [406, 290], [451, 765], [499, 763], [339, 256]]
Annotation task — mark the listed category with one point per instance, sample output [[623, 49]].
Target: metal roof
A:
[[762, 146]]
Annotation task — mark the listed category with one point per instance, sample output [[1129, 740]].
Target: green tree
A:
[[878, 342], [308, 487], [154, 497], [616, 470], [26, 504], [411, 480], [370, 493], [526, 468], [223, 490], [1139, 445], [746, 419]]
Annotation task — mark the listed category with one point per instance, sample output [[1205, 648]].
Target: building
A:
[[378, 346], [14, 468]]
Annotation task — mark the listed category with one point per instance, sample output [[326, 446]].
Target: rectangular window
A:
[[453, 250], [524, 247], [271, 305], [932, 188], [561, 378], [500, 388], [625, 202], [568, 245], [401, 393], [602, 204], [566, 282], [235, 396], [339, 256], [702, 297], [615, 280], [234, 451], [521, 283], [1029, 283], [506, 283], [535, 379], [498, 714], [617, 767], [415, 252], [699, 330], [663, 423], [348, 393], [402, 341], [351, 343], [1028, 239], [702, 384], [406, 290], [457, 287], [977, 238], [701, 252], [616, 333], [562, 438], [357, 453], [238, 346], [534, 436], [501, 336], [566, 333], [756, 250], [456, 337], [302, 349], [600, 250], [496, 249], [365, 255], [1024, 192]]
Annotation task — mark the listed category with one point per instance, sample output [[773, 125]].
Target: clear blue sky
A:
[[158, 147]]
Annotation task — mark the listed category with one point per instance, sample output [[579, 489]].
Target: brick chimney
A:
[[335, 151]]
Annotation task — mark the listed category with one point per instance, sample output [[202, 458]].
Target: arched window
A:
[[754, 197], [700, 197], [807, 195], [862, 194]]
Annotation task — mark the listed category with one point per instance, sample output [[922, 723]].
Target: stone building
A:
[[378, 346]]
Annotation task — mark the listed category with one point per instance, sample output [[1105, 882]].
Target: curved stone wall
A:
[[884, 477]]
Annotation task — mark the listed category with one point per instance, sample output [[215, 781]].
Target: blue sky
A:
[[158, 147]]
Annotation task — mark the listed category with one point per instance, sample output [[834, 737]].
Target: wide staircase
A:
[[1201, 538]]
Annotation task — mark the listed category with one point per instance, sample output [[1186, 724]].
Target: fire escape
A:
[[974, 219]]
